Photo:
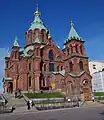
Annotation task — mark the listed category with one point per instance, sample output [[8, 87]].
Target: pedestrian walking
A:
[[93, 99], [32, 103], [15, 94], [28, 105]]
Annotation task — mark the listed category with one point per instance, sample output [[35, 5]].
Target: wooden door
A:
[[87, 94]]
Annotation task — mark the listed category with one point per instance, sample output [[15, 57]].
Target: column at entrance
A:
[[14, 84], [37, 86]]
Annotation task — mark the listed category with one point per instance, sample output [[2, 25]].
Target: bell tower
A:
[[75, 51], [76, 64]]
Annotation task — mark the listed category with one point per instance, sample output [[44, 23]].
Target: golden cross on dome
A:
[[36, 7], [72, 24]]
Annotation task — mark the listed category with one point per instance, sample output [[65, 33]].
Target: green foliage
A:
[[45, 95], [100, 98], [99, 94]]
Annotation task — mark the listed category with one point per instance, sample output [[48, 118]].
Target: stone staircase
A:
[[12, 101]]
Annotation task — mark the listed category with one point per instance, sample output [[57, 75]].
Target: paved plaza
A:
[[87, 113]]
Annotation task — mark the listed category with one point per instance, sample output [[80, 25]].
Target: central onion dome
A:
[[37, 23]]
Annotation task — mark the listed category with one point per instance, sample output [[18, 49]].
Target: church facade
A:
[[41, 65]]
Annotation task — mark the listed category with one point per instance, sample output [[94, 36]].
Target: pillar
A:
[[37, 86]]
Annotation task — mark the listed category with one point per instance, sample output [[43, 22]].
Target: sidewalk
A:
[[92, 104], [24, 109]]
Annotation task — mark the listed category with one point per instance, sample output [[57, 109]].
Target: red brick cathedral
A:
[[41, 65]]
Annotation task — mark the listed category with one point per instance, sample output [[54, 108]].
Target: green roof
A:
[[7, 78], [16, 42], [73, 34], [23, 52], [76, 75], [62, 72], [37, 23]]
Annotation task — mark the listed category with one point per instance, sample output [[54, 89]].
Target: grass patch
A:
[[45, 95], [99, 94]]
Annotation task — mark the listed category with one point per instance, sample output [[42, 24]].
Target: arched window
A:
[[29, 66], [43, 81], [103, 69], [37, 51], [16, 54], [76, 47], [81, 49], [71, 49], [67, 51], [17, 68], [58, 68], [45, 67], [7, 64], [61, 67], [30, 81], [81, 65], [51, 67], [51, 55], [42, 35], [71, 66]]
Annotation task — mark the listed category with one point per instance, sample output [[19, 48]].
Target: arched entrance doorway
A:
[[86, 90], [10, 87], [69, 89]]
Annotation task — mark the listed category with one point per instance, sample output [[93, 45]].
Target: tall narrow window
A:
[[61, 67], [29, 66], [17, 68], [71, 49], [81, 65], [58, 68], [76, 47], [81, 49], [37, 51], [43, 81], [71, 66], [7, 64], [15, 54], [30, 81], [67, 51], [51, 55], [42, 35], [51, 67], [45, 67]]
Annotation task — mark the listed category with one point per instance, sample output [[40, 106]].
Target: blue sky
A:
[[87, 15]]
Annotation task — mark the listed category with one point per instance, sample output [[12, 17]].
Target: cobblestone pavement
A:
[[87, 113]]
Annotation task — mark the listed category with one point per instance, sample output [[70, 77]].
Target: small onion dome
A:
[[49, 36]]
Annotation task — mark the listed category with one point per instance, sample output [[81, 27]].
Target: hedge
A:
[[45, 95]]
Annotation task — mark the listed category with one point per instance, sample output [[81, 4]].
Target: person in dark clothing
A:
[[41, 91], [93, 99], [32, 104], [13, 108], [6, 101], [15, 94], [28, 105]]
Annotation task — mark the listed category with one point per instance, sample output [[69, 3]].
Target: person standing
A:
[[28, 105]]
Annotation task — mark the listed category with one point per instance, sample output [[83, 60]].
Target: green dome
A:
[[37, 23]]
